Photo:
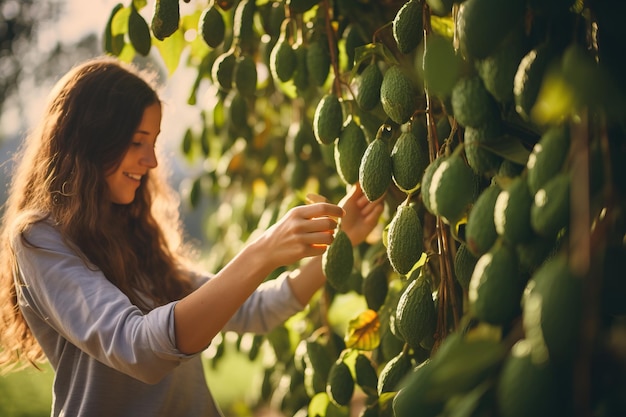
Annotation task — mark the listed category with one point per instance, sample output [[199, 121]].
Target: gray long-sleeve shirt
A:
[[109, 358]]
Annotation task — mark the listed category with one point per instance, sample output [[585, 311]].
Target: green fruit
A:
[[375, 168], [476, 145], [318, 358], [451, 189], [282, 60], [328, 119], [139, 32], [353, 39], [441, 66], [318, 61], [409, 159], [375, 287], [349, 150], [243, 23], [407, 26], [313, 382], [511, 213], [498, 69], [529, 77], [272, 16], [416, 316], [212, 26], [113, 44], [495, 289], [301, 6], [472, 104], [398, 95], [237, 109], [547, 157], [340, 385], [427, 180], [300, 75], [510, 169], [464, 263], [533, 253], [298, 172], [245, 76], [223, 69], [480, 231], [365, 374], [443, 128], [166, 18], [462, 363], [527, 385], [393, 373], [368, 91], [550, 212], [483, 24], [405, 239], [413, 398], [338, 261], [390, 344], [552, 309]]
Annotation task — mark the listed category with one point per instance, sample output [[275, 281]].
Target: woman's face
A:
[[138, 160]]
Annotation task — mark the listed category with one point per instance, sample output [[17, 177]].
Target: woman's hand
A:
[[304, 231], [361, 214]]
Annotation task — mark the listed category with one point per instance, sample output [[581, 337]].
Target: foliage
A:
[[481, 89]]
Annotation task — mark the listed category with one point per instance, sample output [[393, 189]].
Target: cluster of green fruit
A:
[[462, 116]]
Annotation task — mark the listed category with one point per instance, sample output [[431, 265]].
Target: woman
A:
[[95, 277]]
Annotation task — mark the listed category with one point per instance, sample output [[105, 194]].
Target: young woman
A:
[[95, 277]]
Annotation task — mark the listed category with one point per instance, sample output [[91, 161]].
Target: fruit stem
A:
[[330, 35], [447, 291]]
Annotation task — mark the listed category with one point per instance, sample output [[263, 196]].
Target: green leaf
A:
[[140, 4], [187, 142], [113, 44], [127, 54], [511, 148], [318, 405], [370, 50], [139, 33], [196, 192], [443, 26], [119, 23], [171, 49]]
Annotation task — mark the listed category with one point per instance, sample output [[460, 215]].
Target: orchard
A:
[[495, 284]]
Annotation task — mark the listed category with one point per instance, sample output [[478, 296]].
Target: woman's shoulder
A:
[[38, 231]]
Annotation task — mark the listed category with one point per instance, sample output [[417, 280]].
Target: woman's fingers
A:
[[319, 238], [314, 210], [320, 224]]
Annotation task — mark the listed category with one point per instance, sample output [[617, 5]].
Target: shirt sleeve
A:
[[268, 306], [87, 310], [271, 304]]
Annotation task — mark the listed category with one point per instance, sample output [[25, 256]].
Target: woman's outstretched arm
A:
[[303, 232]]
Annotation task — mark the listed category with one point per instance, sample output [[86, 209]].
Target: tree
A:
[[495, 130], [21, 59]]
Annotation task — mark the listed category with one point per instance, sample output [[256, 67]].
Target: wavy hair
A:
[[87, 126]]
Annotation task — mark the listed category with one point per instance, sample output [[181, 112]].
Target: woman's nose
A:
[[149, 158]]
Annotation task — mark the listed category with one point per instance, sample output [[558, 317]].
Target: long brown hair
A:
[[88, 125]]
